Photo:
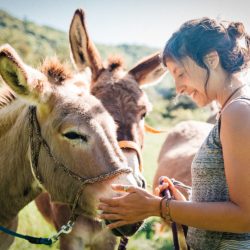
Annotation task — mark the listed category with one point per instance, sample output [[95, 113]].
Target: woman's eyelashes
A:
[[180, 75]]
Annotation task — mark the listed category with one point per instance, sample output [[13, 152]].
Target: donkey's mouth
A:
[[126, 230]]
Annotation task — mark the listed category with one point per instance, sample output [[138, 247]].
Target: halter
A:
[[36, 142], [152, 130], [132, 145]]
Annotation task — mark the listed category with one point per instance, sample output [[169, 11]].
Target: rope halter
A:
[[37, 141]]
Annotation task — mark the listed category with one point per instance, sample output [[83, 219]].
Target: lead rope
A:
[[36, 141], [167, 194], [129, 145], [123, 243], [132, 145], [84, 181], [35, 133]]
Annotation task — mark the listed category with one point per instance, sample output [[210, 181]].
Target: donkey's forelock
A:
[[115, 62], [56, 72]]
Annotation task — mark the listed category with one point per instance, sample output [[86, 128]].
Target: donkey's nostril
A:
[[141, 181]]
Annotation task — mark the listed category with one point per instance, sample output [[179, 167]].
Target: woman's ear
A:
[[212, 60]]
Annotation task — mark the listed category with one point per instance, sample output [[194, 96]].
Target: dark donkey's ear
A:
[[149, 70], [84, 52]]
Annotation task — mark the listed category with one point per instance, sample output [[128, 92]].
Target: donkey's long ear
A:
[[149, 70], [23, 80], [84, 52]]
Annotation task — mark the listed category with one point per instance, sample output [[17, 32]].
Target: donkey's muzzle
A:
[[126, 230]]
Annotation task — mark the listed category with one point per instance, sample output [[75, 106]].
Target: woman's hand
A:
[[136, 205], [166, 183]]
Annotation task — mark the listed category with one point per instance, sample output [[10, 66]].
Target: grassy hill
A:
[[34, 43]]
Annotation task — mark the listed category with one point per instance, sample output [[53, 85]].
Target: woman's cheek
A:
[[197, 98]]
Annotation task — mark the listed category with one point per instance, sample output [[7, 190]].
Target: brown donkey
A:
[[181, 145], [177, 152], [120, 93], [54, 136]]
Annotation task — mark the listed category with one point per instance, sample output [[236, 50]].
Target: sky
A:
[[142, 22]]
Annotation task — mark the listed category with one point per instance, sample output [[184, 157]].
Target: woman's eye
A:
[[75, 136], [180, 75]]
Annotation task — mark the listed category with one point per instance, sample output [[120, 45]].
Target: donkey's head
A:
[[77, 138], [119, 91]]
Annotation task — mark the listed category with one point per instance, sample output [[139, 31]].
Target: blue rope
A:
[[31, 239]]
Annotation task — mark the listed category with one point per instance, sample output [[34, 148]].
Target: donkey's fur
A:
[[120, 93], [177, 152], [63, 109]]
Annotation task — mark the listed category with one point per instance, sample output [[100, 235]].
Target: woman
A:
[[206, 60]]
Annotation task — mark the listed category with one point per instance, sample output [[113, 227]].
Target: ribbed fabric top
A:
[[209, 185]]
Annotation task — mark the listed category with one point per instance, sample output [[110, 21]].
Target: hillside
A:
[[34, 43]]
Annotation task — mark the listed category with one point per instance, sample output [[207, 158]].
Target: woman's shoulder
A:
[[237, 108], [235, 118]]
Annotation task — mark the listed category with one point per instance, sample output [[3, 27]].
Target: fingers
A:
[[119, 188], [165, 183], [108, 209], [110, 216], [123, 188], [178, 195], [165, 179], [117, 224], [157, 191], [161, 188], [111, 201]]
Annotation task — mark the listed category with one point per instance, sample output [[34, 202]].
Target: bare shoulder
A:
[[235, 119], [235, 140]]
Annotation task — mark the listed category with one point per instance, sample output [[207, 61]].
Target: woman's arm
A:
[[214, 216], [231, 216]]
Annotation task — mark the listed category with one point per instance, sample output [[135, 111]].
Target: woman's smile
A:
[[193, 94]]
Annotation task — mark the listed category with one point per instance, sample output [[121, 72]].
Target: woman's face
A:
[[189, 79]]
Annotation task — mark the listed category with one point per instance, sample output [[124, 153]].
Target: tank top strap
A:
[[242, 98]]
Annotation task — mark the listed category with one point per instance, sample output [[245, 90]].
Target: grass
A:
[[152, 145], [32, 223]]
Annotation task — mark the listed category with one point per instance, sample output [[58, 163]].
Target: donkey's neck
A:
[[17, 184]]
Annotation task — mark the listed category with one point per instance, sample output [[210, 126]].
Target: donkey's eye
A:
[[143, 115], [75, 136]]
